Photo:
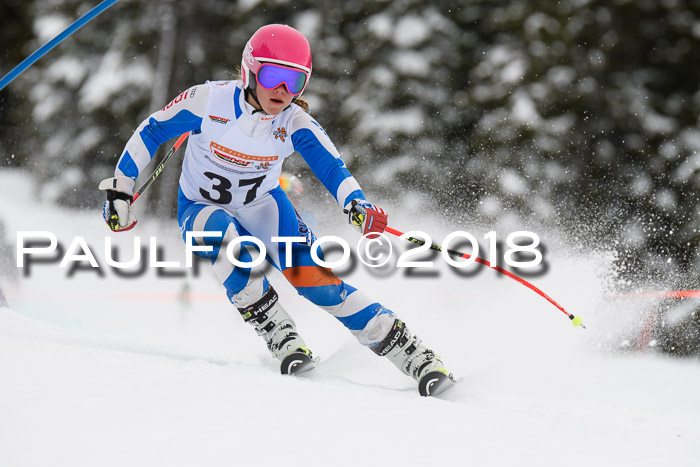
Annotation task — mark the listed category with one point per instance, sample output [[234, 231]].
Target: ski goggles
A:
[[271, 75]]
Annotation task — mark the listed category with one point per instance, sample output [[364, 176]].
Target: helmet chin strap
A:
[[250, 91], [253, 94]]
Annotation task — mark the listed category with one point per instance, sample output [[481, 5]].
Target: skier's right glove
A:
[[367, 218], [116, 209]]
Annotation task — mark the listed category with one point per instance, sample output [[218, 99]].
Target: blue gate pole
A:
[[79, 23]]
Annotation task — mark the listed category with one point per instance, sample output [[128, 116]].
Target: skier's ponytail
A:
[[303, 104]]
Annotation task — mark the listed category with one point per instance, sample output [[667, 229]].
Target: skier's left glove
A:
[[116, 209], [366, 217]]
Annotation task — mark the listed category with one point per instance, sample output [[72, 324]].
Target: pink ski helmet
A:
[[288, 54]]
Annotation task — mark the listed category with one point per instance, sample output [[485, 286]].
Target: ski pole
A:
[[576, 320], [161, 166], [44, 49]]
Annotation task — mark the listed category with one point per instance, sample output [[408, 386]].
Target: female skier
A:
[[240, 133]]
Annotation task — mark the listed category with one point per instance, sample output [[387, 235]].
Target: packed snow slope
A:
[[101, 370]]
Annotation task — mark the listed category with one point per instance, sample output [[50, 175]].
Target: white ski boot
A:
[[278, 329], [414, 359]]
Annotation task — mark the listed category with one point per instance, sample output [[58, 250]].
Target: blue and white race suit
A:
[[229, 185]]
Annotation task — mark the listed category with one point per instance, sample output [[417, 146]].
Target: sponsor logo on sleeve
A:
[[177, 100]]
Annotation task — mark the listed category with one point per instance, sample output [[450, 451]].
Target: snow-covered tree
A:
[[580, 113]]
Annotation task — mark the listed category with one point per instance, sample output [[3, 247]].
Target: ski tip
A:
[[297, 362], [435, 383]]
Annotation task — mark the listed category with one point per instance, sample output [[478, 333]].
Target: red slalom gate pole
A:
[[576, 320], [661, 294]]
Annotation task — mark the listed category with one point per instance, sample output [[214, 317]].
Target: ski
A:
[[297, 362], [435, 383]]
